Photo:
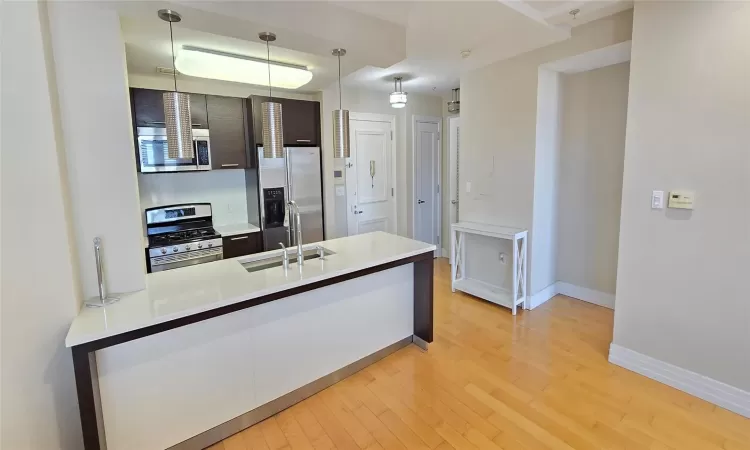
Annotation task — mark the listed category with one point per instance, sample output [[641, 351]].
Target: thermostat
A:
[[681, 199]]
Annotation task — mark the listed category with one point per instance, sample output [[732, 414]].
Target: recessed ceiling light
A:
[[216, 65]]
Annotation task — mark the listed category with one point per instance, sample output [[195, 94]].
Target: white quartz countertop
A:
[[235, 229], [177, 293]]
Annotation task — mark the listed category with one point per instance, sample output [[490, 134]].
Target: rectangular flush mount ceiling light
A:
[[203, 63]]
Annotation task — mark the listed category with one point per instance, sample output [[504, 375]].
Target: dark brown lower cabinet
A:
[[242, 244]]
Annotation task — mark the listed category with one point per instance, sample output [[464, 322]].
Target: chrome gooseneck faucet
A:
[[298, 231]]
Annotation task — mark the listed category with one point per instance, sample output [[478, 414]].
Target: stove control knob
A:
[[163, 251], [200, 245], [174, 249], [210, 244], [187, 247]]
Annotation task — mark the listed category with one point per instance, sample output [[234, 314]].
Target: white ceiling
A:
[[420, 40]]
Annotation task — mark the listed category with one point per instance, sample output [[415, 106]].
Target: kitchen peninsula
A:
[[207, 350]]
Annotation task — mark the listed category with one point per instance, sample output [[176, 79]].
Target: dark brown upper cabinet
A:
[[300, 120], [148, 108], [227, 125], [198, 111]]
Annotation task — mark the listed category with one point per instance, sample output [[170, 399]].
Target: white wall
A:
[[89, 56], [592, 152], [375, 102], [498, 126], [224, 189], [681, 290], [40, 291]]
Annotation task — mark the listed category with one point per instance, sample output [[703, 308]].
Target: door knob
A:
[[453, 202], [420, 202]]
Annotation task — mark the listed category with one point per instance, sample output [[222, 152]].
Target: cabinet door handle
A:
[[304, 140], [238, 238], [229, 165], [197, 124], [157, 123]]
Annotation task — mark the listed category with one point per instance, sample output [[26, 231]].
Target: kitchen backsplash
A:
[[224, 189]]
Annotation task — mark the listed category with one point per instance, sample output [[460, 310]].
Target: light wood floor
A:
[[540, 380]]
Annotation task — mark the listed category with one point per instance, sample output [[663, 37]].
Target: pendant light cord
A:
[[340, 81], [268, 54], [174, 68]]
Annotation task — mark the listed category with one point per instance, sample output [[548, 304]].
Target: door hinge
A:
[[438, 240], [438, 188], [391, 134], [391, 192]]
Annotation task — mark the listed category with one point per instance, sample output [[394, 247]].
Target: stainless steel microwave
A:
[[153, 155]]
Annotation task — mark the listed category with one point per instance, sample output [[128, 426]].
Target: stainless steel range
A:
[[181, 235]]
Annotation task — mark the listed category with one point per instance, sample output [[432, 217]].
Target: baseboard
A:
[[587, 295], [716, 392], [542, 296]]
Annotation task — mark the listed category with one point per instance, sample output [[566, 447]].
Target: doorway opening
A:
[[454, 134], [426, 179]]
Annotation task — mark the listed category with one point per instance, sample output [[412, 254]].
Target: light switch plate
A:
[[657, 200], [468, 187], [340, 191], [681, 199]]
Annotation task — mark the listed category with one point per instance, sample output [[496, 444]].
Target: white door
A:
[[454, 133], [427, 180], [369, 179]]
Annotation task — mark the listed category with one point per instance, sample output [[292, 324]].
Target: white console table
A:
[[461, 281]]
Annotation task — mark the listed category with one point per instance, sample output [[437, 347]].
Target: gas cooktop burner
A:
[[182, 236]]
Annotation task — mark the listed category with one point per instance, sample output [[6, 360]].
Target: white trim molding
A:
[[600, 298], [703, 387], [587, 295], [542, 296]]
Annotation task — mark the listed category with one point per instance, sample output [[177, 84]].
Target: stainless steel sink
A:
[[263, 262]]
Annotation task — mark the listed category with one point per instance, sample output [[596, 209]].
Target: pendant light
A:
[[340, 119], [398, 97], [273, 132], [177, 106], [454, 106]]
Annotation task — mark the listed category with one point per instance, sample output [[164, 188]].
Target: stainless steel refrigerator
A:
[[304, 172]]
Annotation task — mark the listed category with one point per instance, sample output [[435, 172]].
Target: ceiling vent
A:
[[454, 106], [167, 71]]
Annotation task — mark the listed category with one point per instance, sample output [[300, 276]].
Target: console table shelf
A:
[[460, 280]]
